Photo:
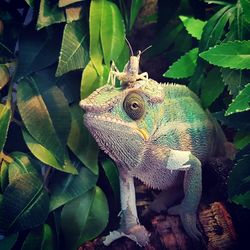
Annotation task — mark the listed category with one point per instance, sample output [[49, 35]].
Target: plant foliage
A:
[[54, 53]]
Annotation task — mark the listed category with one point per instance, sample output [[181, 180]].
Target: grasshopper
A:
[[130, 72]]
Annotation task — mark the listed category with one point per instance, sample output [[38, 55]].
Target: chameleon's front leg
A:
[[187, 209], [129, 223]]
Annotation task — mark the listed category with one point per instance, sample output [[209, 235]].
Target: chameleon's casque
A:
[[160, 134]]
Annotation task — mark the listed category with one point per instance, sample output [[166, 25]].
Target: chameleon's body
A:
[[160, 134]]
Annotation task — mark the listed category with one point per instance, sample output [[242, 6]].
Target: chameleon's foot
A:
[[189, 221], [137, 233]]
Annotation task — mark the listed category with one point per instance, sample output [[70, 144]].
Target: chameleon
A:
[[160, 134]]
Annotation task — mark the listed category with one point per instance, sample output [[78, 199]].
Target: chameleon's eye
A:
[[134, 105]]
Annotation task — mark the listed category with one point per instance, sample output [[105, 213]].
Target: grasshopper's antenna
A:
[[146, 49], [129, 45]]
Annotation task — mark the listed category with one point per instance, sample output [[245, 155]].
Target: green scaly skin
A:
[[163, 143]]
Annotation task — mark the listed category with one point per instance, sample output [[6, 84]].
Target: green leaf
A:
[[214, 28], [242, 199], [242, 139], [74, 50], [4, 75], [193, 26], [63, 3], [49, 13], [4, 175], [134, 10], [8, 242], [123, 58], [39, 52], [211, 88], [238, 186], [66, 187], [240, 171], [20, 165], [84, 218], [91, 80], [211, 35], [43, 107], [112, 32], [81, 142], [95, 18], [39, 238], [25, 204], [234, 55], [164, 39], [236, 120], [234, 79], [5, 117], [184, 66], [245, 4], [241, 102], [112, 174], [45, 156]]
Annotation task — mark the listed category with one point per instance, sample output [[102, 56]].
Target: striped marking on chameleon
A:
[[144, 133]]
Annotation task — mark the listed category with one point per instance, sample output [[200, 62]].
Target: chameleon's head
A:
[[117, 117]]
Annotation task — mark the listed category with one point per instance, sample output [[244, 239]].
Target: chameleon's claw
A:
[[137, 233], [189, 222]]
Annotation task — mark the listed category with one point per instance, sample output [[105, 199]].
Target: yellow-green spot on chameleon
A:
[[160, 134]]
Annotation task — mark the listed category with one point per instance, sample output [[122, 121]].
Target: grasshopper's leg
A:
[[129, 225], [187, 209]]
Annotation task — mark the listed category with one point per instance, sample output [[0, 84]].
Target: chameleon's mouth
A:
[[94, 120]]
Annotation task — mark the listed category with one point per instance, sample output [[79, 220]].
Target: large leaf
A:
[[211, 35], [39, 238], [134, 10], [8, 242], [238, 186], [112, 174], [241, 102], [234, 55], [81, 142], [4, 178], [45, 156], [165, 39], [84, 218], [74, 50], [184, 67], [95, 50], [234, 79], [241, 139], [214, 28], [4, 75], [39, 52], [211, 88], [5, 116], [49, 13], [43, 107], [246, 9], [91, 80], [112, 32], [25, 204], [21, 164], [236, 120], [66, 187], [193, 26]]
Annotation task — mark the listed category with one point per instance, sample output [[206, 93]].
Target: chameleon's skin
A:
[[163, 143]]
